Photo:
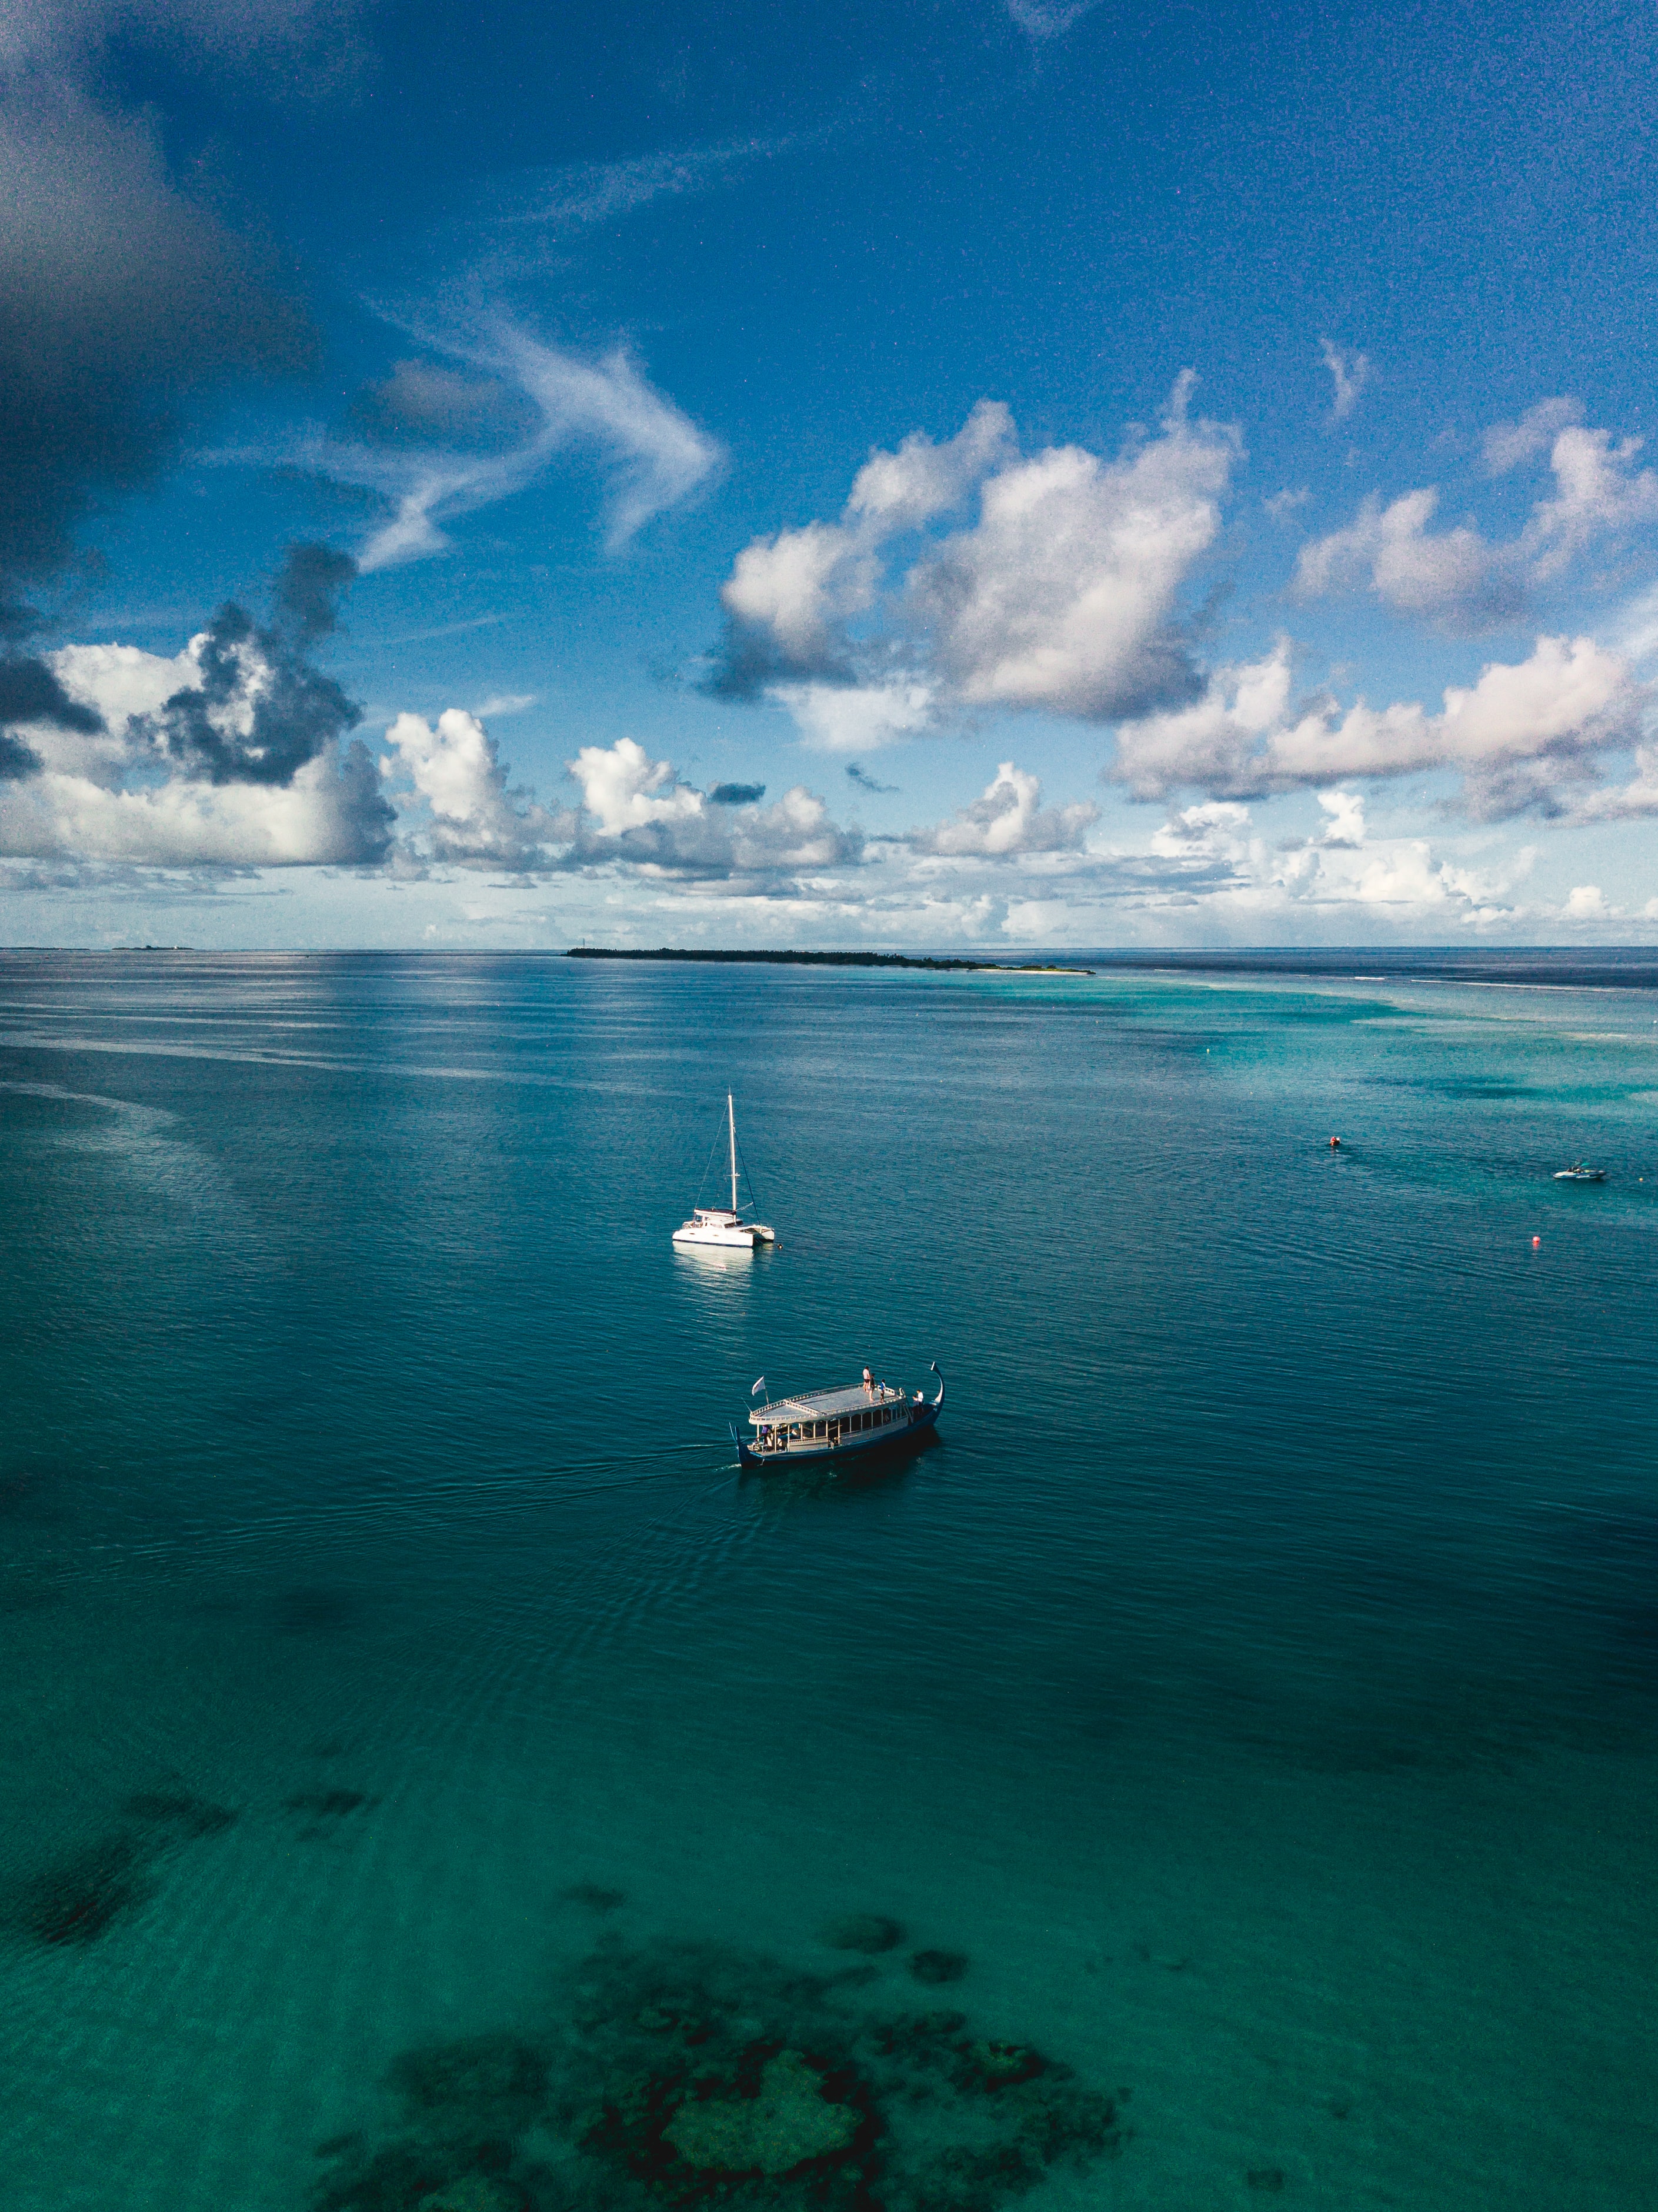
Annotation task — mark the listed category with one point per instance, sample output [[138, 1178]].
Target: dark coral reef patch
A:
[[870, 1932], [75, 1901], [678, 2077], [81, 1895], [938, 1965]]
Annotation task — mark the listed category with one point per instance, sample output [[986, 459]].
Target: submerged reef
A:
[[862, 1931], [79, 1897], [594, 1895], [676, 2077], [75, 1901], [938, 1965]]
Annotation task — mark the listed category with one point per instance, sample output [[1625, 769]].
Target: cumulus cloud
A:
[[1340, 869], [330, 812], [455, 770], [1521, 736], [1063, 595], [230, 754], [858, 718], [1350, 373], [1007, 866], [1009, 818], [1060, 595], [435, 443], [1505, 445], [1632, 801], [638, 816], [790, 597], [1450, 576], [1456, 578]]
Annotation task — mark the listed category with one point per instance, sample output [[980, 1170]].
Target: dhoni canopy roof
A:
[[817, 1405]]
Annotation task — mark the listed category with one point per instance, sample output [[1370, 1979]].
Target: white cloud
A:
[[1455, 577], [903, 490], [1516, 735], [1598, 491], [790, 597], [654, 456], [330, 812], [792, 594], [857, 718], [1392, 883], [1451, 576], [456, 770], [1350, 373], [1008, 819], [128, 794], [1505, 445], [637, 814], [1624, 802], [1061, 595]]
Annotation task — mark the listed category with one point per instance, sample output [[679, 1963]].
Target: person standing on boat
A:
[[869, 1384]]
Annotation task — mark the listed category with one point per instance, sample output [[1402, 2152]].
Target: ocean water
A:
[[1256, 1681]]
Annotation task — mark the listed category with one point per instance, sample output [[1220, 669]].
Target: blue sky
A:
[[1001, 472]]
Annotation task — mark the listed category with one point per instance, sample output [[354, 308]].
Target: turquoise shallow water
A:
[[1257, 1678]]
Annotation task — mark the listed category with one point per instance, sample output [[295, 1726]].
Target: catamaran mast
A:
[[730, 1117]]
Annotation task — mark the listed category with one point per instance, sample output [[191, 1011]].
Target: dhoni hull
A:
[[853, 1447]]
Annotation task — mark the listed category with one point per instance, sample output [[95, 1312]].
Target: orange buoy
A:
[[1537, 1243]]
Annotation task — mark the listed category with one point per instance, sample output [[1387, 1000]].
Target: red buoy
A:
[[1537, 1243]]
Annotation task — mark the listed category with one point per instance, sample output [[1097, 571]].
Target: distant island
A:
[[828, 960]]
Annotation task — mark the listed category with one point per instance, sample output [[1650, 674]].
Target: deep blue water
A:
[[1257, 1679]]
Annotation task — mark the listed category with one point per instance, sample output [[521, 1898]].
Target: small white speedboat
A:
[[724, 1225], [1578, 1173]]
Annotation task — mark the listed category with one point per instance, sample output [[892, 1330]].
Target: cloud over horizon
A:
[[1528, 734], [233, 753]]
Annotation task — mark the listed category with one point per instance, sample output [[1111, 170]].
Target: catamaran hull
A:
[[815, 1454]]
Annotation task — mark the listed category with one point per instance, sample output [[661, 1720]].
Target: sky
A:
[[1002, 473]]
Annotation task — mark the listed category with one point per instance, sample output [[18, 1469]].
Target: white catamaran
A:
[[835, 1423], [724, 1225]]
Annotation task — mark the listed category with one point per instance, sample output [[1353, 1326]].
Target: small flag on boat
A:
[[759, 1386]]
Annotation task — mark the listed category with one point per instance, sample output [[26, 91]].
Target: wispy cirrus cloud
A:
[[446, 445], [1042, 20], [585, 195]]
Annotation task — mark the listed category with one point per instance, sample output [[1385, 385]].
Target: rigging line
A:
[[743, 1169]]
